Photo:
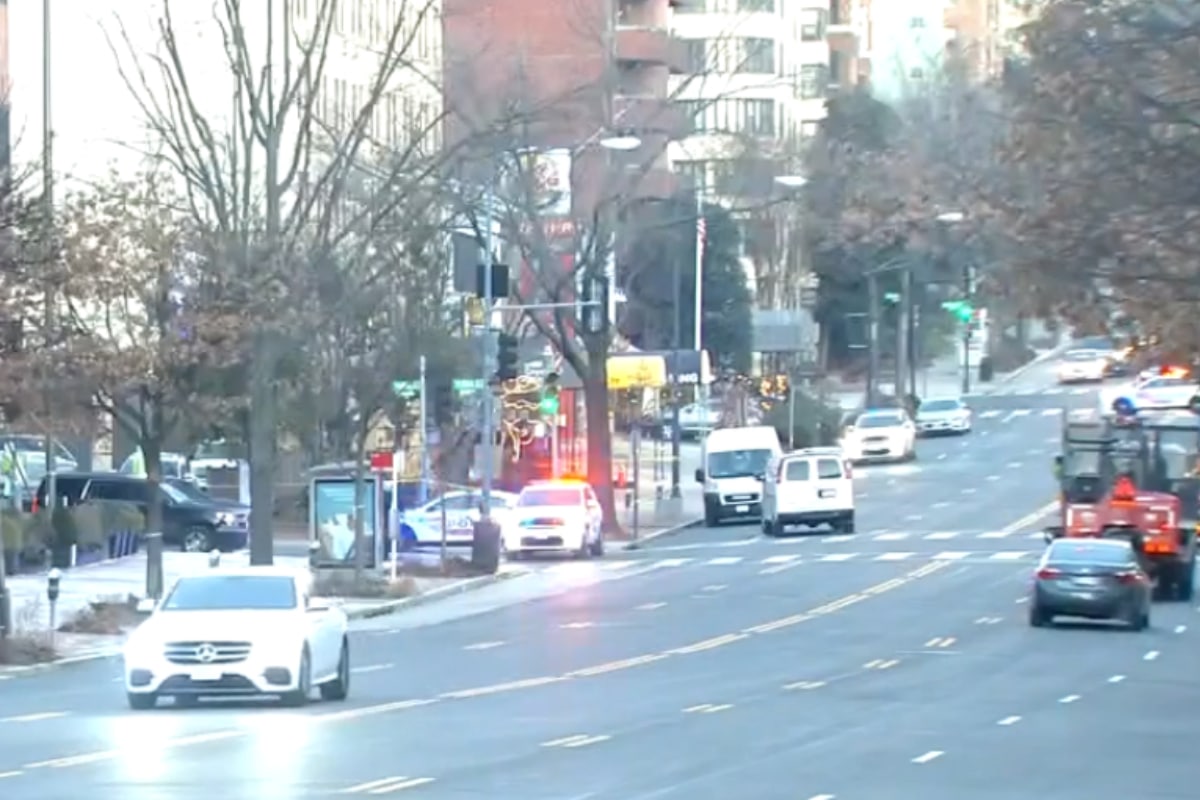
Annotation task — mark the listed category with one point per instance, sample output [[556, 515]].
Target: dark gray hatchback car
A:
[[1091, 578]]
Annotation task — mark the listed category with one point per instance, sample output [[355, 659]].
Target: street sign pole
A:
[[554, 445], [424, 489]]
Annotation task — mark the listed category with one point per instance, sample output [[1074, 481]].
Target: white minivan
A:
[[809, 487], [734, 463]]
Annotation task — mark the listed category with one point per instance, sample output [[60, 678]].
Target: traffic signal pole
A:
[[489, 407], [968, 291], [424, 490]]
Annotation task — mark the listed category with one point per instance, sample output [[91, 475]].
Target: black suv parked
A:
[[192, 521]]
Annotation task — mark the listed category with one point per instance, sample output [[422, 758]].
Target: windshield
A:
[[232, 593], [173, 492], [939, 405], [550, 497], [879, 421], [1075, 553], [1082, 355], [219, 450], [185, 489], [738, 463]]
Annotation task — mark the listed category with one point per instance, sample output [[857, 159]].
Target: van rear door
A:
[[795, 493], [834, 487]]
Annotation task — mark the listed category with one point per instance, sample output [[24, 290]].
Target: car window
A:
[[232, 593], [796, 470], [591, 497], [1062, 552], [738, 463], [829, 469], [121, 491], [550, 497], [69, 488], [939, 405], [457, 502], [879, 420], [187, 489]]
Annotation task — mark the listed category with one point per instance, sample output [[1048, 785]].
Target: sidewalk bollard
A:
[[154, 566], [53, 584], [214, 559]]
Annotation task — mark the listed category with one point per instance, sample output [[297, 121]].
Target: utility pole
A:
[[489, 358], [48, 242], [676, 335], [872, 336], [424, 389], [900, 388], [968, 292]]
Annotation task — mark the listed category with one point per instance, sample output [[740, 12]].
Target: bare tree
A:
[[271, 182]]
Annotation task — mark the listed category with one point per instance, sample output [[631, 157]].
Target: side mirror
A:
[[1048, 536], [700, 476]]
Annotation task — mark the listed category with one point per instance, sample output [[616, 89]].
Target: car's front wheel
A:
[[339, 688], [300, 695], [197, 539]]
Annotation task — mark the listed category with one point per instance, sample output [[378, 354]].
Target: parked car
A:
[[193, 522]]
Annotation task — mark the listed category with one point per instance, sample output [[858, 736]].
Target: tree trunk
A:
[[360, 505], [599, 440], [262, 450]]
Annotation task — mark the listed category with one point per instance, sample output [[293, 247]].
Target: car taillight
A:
[[1046, 573], [1128, 577], [33, 508]]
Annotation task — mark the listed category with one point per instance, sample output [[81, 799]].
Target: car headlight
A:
[[225, 518]]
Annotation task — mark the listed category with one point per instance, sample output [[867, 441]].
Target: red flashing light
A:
[[1124, 490], [1048, 573], [1170, 371]]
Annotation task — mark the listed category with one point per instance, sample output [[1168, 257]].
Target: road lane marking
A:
[[778, 624], [613, 566], [989, 620], [371, 668], [11, 774], [1051, 412], [483, 646], [577, 625], [1071, 698], [839, 538], [84, 759], [992, 478], [1116, 679], [951, 555], [784, 559], [995, 534], [941, 535], [914, 517], [708, 644], [715, 587], [806, 685], [649, 606], [1180, 628], [707, 708], [823, 797], [614, 666], [880, 663], [722, 561], [1151, 656], [35, 717], [941, 641], [895, 556], [371, 711], [1009, 721], [511, 686], [578, 740], [891, 537], [796, 561], [1009, 555], [387, 785], [927, 757], [838, 557]]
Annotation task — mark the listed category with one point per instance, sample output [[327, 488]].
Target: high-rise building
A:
[[559, 77]]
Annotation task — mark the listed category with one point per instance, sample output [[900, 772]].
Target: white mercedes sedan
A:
[[250, 631]]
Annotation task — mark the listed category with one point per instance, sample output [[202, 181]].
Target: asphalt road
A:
[[714, 664]]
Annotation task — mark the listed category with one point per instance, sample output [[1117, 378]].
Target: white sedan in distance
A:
[[559, 516], [1078, 366], [883, 434], [422, 526], [250, 631], [943, 415]]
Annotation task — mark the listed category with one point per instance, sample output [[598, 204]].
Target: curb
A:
[[641, 541], [458, 587], [8, 673]]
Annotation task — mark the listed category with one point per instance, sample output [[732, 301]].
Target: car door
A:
[[457, 507], [320, 625], [834, 488], [595, 515]]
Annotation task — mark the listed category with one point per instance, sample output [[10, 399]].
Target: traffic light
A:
[[961, 309], [442, 410], [507, 358], [549, 402]]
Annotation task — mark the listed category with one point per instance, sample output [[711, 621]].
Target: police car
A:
[[559, 516], [422, 526], [1164, 387]]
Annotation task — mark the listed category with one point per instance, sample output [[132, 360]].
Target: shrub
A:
[[810, 421]]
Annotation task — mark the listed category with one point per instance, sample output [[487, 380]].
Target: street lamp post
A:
[[968, 288]]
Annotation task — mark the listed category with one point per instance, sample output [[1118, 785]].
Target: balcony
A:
[[659, 115], [644, 45]]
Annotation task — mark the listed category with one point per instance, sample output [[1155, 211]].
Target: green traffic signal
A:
[[549, 405]]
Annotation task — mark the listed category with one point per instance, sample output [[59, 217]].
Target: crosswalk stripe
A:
[[779, 563], [994, 535], [891, 537], [894, 556], [989, 414], [1009, 555], [941, 535], [951, 555], [845, 537], [614, 566], [779, 559], [725, 560], [1051, 412], [837, 556]]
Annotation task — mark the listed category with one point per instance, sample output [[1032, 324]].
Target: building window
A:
[[756, 5], [697, 56], [694, 173], [758, 117], [814, 81], [757, 57], [812, 25], [809, 128], [727, 179], [693, 111], [916, 22]]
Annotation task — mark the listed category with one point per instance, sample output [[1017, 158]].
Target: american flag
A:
[[701, 231]]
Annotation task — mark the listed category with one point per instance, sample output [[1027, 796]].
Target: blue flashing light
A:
[[1124, 407]]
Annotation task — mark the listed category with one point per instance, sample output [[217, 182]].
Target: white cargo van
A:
[[809, 487], [733, 464]]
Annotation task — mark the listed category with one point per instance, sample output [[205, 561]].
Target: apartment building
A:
[[558, 77], [758, 73], [97, 47]]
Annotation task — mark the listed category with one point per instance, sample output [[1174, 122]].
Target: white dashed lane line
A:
[[1009, 721], [927, 757]]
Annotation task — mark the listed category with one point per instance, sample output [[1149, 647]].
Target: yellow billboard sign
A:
[[637, 372]]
